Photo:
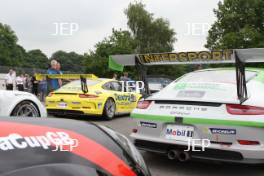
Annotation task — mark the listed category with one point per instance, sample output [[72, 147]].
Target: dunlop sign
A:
[[200, 57]]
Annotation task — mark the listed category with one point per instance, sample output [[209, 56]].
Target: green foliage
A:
[[70, 61], [120, 42], [150, 34], [10, 52], [14, 55], [36, 59], [239, 24]]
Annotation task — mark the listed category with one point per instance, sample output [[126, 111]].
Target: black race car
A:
[[63, 147]]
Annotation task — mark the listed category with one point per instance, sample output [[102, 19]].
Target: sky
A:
[[77, 25]]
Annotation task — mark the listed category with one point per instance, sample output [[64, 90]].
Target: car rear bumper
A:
[[210, 153], [72, 112]]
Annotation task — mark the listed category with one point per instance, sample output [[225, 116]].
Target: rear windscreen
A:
[[76, 85], [215, 76]]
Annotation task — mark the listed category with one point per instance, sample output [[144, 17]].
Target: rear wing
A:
[[237, 56], [82, 78]]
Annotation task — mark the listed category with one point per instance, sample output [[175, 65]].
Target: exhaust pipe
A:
[[184, 156], [173, 154]]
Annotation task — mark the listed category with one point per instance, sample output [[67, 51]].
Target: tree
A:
[[70, 61], [151, 35], [36, 59], [10, 53], [120, 42], [239, 24]]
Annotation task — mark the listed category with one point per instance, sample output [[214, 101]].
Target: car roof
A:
[[231, 68]]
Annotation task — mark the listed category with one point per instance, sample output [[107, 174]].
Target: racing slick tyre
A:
[[26, 109], [109, 109]]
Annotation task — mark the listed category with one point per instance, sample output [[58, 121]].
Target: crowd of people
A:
[[22, 82], [29, 83]]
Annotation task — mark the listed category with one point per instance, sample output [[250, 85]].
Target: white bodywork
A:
[[190, 102], [9, 100]]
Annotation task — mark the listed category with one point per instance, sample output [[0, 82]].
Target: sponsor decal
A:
[[57, 139], [148, 124], [187, 57], [127, 98], [177, 132], [203, 86], [190, 94], [99, 154], [223, 131]]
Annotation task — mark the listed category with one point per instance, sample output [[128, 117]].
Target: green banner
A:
[[114, 66]]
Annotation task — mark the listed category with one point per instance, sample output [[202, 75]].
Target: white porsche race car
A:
[[18, 103], [214, 114]]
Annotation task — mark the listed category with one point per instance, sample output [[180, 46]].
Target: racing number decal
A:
[[100, 155]]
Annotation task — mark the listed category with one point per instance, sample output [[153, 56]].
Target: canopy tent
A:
[[238, 56]]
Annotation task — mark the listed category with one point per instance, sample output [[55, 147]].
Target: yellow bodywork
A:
[[70, 98]]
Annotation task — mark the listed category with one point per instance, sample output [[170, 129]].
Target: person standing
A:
[[114, 76], [53, 84], [34, 83], [20, 82], [9, 80], [60, 72], [43, 89], [27, 86], [125, 77]]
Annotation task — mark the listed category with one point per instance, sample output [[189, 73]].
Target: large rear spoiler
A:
[[82, 78], [237, 56]]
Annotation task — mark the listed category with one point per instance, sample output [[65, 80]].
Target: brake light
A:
[[143, 104], [88, 96], [50, 94], [246, 142], [237, 109]]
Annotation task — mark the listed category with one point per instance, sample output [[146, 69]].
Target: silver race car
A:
[[214, 114]]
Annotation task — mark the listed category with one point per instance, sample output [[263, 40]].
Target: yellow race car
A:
[[103, 97]]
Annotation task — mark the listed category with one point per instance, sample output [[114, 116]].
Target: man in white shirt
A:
[[10, 80]]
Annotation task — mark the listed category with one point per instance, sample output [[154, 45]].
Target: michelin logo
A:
[[60, 140], [223, 131]]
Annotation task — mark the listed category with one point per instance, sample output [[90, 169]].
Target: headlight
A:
[[130, 149]]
